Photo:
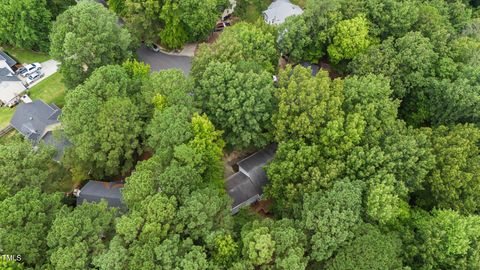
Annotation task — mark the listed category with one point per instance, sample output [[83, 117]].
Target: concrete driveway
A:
[[48, 68], [161, 61]]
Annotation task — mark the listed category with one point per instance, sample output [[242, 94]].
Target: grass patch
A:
[[5, 116], [26, 56], [251, 10], [50, 90], [300, 3]]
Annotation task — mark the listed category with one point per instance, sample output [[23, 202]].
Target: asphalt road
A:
[[160, 61]]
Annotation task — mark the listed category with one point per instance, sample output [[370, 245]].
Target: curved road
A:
[[160, 61]]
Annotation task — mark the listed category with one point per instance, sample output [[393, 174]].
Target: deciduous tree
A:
[[77, 44]]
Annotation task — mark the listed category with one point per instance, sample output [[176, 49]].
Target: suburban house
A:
[[279, 10], [95, 191], [10, 85], [246, 186], [36, 121]]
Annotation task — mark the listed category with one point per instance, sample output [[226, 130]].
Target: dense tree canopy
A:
[[377, 154], [26, 219], [172, 23], [103, 123], [239, 102], [22, 166], [25, 23], [77, 44]]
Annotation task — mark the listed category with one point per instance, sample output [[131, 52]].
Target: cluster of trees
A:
[[428, 49], [172, 23], [378, 169], [27, 23]]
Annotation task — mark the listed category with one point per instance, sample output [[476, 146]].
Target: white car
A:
[[29, 69], [34, 77]]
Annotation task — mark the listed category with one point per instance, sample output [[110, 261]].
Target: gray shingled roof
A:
[[95, 191], [313, 67], [6, 75], [32, 119], [10, 61], [246, 186], [59, 141]]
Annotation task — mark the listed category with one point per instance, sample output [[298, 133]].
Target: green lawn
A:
[[5, 116], [49, 90], [251, 10], [26, 56]]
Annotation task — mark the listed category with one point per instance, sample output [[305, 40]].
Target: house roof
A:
[[59, 141], [313, 67], [32, 119], [280, 10], [10, 61], [95, 191], [241, 189], [246, 186]]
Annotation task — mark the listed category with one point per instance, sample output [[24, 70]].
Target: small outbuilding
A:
[[246, 186], [279, 11], [95, 191]]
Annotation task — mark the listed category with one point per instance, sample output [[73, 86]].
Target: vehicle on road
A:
[[33, 77], [153, 47], [29, 69]]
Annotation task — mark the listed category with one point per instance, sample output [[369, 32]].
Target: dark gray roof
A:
[[95, 191], [10, 61], [246, 186], [32, 119], [313, 67], [59, 141], [253, 165], [6, 75], [241, 189]]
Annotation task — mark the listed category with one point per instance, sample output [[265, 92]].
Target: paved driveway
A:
[[160, 61], [48, 68]]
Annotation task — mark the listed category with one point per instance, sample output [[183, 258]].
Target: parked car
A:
[[153, 47], [34, 77], [29, 69]]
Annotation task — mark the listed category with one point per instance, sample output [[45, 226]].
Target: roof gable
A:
[[95, 191], [32, 119]]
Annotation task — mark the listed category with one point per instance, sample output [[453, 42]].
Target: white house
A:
[[10, 85], [279, 10]]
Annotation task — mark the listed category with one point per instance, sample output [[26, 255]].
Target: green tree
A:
[[173, 35], [445, 240], [454, 181], [117, 6], [102, 146], [199, 17], [241, 42], [142, 18], [351, 38], [77, 44], [21, 166], [204, 212], [26, 219], [77, 236], [56, 7], [370, 250], [25, 23], [279, 243], [293, 38], [238, 102], [330, 218], [207, 141]]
